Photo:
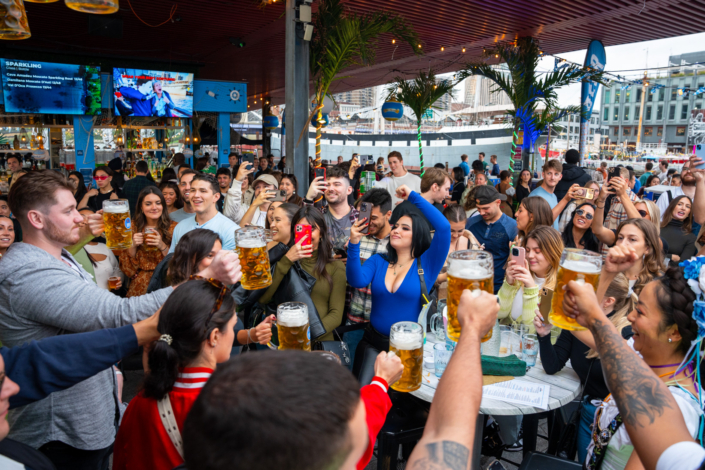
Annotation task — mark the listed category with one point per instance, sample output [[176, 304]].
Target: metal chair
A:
[[539, 461], [404, 425]]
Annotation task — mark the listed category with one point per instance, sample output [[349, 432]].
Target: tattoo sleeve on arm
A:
[[444, 455], [641, 396]]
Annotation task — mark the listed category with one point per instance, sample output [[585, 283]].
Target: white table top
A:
[[565, 386]]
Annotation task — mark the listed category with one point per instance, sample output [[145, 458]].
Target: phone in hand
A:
[[700, 152], [302, 231], [519, 256], [248, 158], [340, 252], [320, 172], [281, 195], [365, 212], [585, 193]]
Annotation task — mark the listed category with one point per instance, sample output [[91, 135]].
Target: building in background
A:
[[364, 97], [571, 130]]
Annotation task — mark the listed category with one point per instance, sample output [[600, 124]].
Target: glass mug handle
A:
[[436, 324]]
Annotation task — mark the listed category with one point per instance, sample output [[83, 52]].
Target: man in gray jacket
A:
[[45, 292]]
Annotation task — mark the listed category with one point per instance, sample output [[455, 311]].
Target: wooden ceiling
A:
[[198, 36]]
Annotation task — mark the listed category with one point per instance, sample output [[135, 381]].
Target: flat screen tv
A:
[[152, 93], [49, 88]]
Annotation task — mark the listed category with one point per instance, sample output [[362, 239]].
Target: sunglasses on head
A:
[[587, 215], [219, 301], [100, 178]]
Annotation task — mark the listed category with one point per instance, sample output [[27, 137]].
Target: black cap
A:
[[487, 195], [572, 156]]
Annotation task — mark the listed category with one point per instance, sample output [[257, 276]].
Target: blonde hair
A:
[[551, 245], [624, 302], [654, 212], [653, 261]]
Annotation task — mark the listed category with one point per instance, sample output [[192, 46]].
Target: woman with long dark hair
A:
[[578, 232], [79, 187], [531, 213], [103, 191], [197, 327], [458, 185], [194, 253], [290, 184], [523, 186], [394, 280], [172, 196], [315, 257], [677, 230], [151, 240]]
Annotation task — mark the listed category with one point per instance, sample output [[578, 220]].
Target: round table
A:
[[565, 387]]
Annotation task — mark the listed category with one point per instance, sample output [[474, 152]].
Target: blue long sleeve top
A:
[[404, 304], [59, 362]]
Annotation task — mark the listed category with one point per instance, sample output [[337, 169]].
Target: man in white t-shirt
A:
[[692, 183], [400, 176]]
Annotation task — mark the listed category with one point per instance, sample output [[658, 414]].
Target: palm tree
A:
[[526, 88], [420, 94], [342, 39]]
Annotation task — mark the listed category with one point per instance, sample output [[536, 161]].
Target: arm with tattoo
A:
[[448, 437]]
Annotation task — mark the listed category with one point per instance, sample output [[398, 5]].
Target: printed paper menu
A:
[[520, 392]]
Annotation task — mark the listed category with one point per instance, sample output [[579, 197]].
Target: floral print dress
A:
[[140, 268]]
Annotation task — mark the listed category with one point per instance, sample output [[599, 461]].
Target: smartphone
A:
[[249, 158], [586, 193], [365, 212], [519, 255], [301, 231], [281, 195], [320, 172], [700, 152], [340, 252]]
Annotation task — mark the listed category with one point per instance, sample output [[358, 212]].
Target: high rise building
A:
[[477, 84], [363, 97]]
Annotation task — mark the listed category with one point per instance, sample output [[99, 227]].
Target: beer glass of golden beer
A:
[[576, 265], [118, 226], [149, 232], [254, 259], [292, 326], [406, 341], [472, 270]]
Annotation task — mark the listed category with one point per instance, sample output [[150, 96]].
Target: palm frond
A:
[[421, 93]]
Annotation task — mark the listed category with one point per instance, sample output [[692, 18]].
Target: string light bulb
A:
[[463, 50], [394, 41], [443, 48], [419, 46]]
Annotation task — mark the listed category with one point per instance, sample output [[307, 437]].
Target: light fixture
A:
[[23, 135], [394, 41], [463, 50], [419, 46], [14, 25], [443, 48], [97, 7]]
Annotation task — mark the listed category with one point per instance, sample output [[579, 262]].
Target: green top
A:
[[81, 256], [329, 302], [530, 303]]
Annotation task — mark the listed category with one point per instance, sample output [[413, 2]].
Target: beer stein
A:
[[292, 326], [576, 265], [472, 270], [406, 341], [254, 258], [118, 226]]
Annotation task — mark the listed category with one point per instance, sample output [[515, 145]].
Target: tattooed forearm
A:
[[445, 455], [640, 395]]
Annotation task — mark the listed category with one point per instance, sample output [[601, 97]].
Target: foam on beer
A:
[[292, 317], [580, 267], [252, 243], [116, 209], [474, 273], [406, 341]]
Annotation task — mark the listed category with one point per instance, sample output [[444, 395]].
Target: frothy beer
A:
[[406, 341], [118, 226], [254, 260], [292, 326], [473, 278], [571, 270]]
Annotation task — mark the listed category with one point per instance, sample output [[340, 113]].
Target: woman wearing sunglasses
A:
[[102, 191], [196, 325], [578, 232]]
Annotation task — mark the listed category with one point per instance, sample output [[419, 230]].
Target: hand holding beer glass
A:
[[472, 270], [292, 326], [152, 239], [118, 226], [577, 265], [406, 341], [251, 248]]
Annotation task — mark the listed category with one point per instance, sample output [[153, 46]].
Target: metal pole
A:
[[641, 110], [296, 97]]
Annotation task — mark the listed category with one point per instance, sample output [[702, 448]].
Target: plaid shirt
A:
[[361, 303], [617, 215]]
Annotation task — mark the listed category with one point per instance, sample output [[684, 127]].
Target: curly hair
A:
[[675, 300]]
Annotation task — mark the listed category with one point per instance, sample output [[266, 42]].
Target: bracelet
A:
[[249, 340]]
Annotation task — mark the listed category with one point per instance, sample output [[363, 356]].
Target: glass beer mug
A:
[[292, 326], [576, 265], [118, 226], [472, 270], [251, 248], [406, 341]]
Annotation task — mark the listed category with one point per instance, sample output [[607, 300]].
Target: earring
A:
[[670, 340]]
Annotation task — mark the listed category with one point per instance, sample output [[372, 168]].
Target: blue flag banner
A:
[[595, 58]]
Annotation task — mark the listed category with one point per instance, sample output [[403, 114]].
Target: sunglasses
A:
[[219, 301], [100, 178], [587, 215], [643, 213]]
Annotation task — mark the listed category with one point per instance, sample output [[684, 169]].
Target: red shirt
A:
[[377, 405], [142, 441]]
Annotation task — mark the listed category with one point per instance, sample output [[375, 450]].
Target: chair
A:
[[539, 461], [404, 425]]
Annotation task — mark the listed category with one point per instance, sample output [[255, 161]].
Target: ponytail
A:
[[625, 302]]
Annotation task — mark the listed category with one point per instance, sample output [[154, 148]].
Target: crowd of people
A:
[[73, 312]]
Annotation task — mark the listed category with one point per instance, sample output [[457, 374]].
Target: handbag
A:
[[429, 302]]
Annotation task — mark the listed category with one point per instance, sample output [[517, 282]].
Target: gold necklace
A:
[[395, 265]]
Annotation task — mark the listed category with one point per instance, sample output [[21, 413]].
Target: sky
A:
[[628, 57]]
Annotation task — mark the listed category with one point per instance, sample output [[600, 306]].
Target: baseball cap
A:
[[267, 179], [487, 195]]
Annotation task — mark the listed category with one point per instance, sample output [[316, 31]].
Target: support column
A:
[[223, 139], [266, 133], [296, 93], [83, 141]]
